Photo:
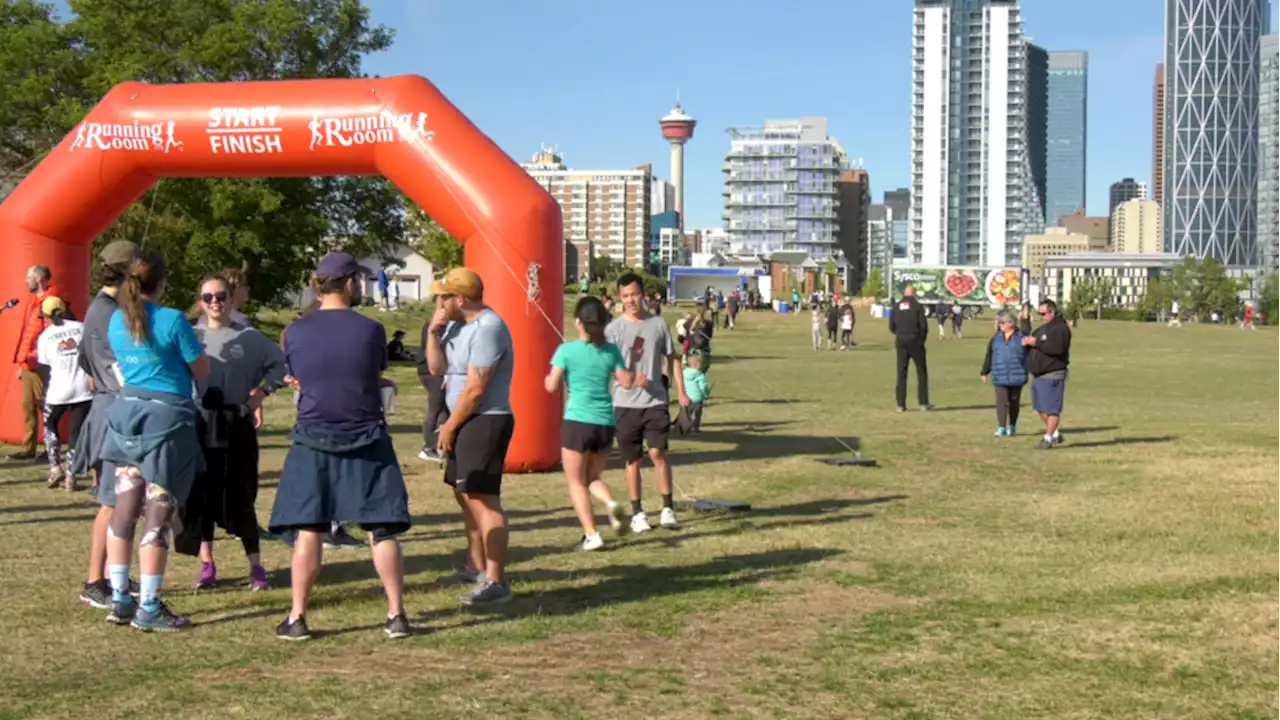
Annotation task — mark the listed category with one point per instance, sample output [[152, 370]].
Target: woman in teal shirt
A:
[[587, 367]]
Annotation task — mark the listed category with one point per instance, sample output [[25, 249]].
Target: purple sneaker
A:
[[208, 576], [258, 579]]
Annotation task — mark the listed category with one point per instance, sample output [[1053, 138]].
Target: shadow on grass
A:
[[761, 401], [1100, 428], [52, 519], [1119, 441], [962, 408], [42, 508], [755, 446]]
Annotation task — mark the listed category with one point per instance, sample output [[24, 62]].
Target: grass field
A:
[[1131, 573]]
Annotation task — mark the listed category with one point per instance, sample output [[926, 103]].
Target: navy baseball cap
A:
[[340, 265]]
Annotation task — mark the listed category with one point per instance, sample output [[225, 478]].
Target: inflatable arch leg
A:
[[400, 127]]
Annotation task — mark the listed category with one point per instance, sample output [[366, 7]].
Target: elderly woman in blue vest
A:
[[1006, 366], [151, 452]]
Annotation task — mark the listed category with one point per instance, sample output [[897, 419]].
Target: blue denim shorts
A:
[[1047, 395]]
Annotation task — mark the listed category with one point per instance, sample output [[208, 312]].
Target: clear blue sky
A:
[[594, 76]]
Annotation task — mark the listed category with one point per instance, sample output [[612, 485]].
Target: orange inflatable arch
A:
[[402, 128]]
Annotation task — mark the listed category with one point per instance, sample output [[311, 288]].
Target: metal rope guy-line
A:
[[401, 127]]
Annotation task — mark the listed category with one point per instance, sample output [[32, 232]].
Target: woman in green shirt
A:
[[587, 367]]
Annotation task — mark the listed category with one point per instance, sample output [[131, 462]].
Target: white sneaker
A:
[[591, 542], [640, 523], [618, 519], [668, 519]]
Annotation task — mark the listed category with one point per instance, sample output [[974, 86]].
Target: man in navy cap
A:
[[342, 466]]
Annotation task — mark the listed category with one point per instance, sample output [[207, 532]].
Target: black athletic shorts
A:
[[586, 437], [638, 427], [479, 452]]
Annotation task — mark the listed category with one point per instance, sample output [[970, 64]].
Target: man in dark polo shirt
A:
[[341, 465], [1050, 354]]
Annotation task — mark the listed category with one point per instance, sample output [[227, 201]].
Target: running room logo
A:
[[126, 136], [384, 127]]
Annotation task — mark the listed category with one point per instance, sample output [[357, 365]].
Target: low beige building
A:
[[1096, 228], [1055, 242], [1136, 227]]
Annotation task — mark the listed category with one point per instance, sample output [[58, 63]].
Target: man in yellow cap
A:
[[470, 345], [68, 391]]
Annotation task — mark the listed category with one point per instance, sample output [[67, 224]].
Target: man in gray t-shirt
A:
[[483, 342], [641, 412]]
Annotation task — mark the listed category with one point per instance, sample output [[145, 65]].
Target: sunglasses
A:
[[210, 298]]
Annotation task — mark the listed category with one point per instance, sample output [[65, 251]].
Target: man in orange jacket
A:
[[40, 284]]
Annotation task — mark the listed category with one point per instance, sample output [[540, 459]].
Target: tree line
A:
[[55, 69]]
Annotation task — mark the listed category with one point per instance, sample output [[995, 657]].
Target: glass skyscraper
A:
[[1211, 163], [1067, 134], [1268, 181]]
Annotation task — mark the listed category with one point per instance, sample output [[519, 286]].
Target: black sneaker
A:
[[97, 595], [122, 612], [293, 629], [1057, 438], [340, 538], [1044, 444], [397, 627]]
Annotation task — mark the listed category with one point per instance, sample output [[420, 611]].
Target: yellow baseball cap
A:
[[461, 282], [51, 304]]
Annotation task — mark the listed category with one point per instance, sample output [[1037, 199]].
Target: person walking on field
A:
[[641, 411], [1006, 366], [847, 321], [587, 367], [1050, 356], [40, 285], [910, 329]]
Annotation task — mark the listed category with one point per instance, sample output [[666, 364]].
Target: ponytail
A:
[[593, 316], [144, 277]]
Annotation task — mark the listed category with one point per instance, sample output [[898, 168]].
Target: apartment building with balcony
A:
[[606, 212], [974, 195], [781, 187]]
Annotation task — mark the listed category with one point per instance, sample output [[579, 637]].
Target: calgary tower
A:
[[677, 128]]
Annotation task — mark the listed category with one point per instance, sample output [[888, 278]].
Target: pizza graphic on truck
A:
[[993, 287]]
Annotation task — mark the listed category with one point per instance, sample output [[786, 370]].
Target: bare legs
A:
[[583, 471]]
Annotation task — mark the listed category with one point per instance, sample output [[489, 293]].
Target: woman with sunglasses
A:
[[245, 367]]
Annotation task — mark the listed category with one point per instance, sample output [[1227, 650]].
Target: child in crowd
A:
[[818, 321], [846, 327], [1006, 366], [68, 392], [957, 318], [833, 324], [697, 388], [587, 367]]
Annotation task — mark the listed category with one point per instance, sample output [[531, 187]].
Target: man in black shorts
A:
[[470, 345], [641, 411]]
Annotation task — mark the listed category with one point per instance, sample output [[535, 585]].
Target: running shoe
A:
[[55, 476], [293, 630], [162, 619], [640, 523], [122, 612], [1044, 444], [258, 579], [208, 576], [1057, 437], [1001, 432], [97, 595], [618, 519], [486, 593], [397, 627], [464, 576], [589, 543], [340, 538], [668, 519], [1013, 430], [430, 455]]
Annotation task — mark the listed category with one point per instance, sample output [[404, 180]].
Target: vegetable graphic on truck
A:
[[993, 287]]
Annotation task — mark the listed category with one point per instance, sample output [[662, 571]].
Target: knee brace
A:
[[157, 517]]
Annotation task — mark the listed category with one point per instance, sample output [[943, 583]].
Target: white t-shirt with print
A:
[[59, 348]]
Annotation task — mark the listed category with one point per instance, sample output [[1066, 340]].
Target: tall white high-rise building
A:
[[973, 195]]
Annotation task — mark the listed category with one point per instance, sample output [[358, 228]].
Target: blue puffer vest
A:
[[1008, 360]]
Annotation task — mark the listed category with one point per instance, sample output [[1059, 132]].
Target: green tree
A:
[[1084, 294], [278, 226], [1269, 295], [1158, 300], [606, 269], [426, 237], [874, 285]]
